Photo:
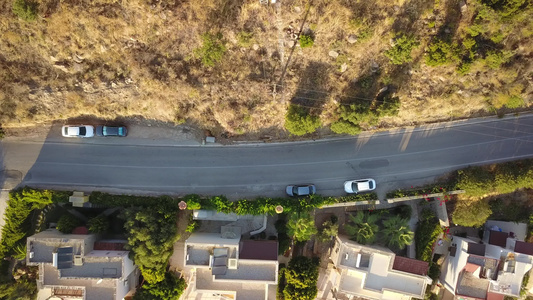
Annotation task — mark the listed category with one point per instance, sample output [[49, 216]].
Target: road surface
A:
[[396, 159]]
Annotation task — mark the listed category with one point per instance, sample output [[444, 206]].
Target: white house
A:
[[375, 273], [489, 269], [77, 266]]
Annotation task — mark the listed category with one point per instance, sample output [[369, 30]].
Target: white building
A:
[[224, 267], [489, 269], [72, 267], [375, 273]]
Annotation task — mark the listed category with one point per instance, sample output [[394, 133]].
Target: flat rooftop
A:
[[104, 290], [248, 270], [244, 291]]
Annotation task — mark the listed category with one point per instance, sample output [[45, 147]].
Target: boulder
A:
[[352, 38]]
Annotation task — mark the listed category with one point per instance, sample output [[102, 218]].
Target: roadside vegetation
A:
[[222, 66]]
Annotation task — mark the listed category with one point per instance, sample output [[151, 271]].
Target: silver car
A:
[[82, 131], [359, 186], [300, 190]]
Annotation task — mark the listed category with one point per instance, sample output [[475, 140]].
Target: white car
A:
[[359, 185], [77, 131]]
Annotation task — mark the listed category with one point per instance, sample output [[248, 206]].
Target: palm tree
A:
[[396, 232], [301, 226], [364, 227]]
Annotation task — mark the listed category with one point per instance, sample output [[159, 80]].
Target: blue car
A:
[[111, 131], [300, 190]]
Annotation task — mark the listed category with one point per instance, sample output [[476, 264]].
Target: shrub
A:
[[506, 8], [246, 39], [495, 59], [500, 178], [26, 10], [471, 213], [170, 288], [98, 224], [301, 278], [306, 40], [345, 127], [2, 133], [301, 226], [401, 52], [193, 225], [67, 223], [298, 121], [434, 271], [441, 53], [396, 232], [151, 235], [17, 216], [329, 230], [212, 50], [281, 282], [427, 232]]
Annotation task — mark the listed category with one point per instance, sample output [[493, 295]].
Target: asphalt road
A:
[[395, 159]]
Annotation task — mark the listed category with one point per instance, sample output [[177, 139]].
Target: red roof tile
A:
[[494, 296], [410, 265]]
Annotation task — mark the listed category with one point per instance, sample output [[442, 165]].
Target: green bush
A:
[[434, 271], [110, 200], [192, 226], [500, 179], [495, 59], [26, 10], [427, 232], [306, 40], [401, 52], [441, 52], [98, 224], [345, 127], [329, 230], [67, 223], [301, 226], [2, 133], [506, 8], [281, 282], [246, 39], [212, 50], [170, 288], [298, 121], [17, 216], [151, 233], [515, 102], [301, 278], [471, 213]]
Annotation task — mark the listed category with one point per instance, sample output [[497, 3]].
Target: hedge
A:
[[427, 232], [265, 205], [21, 203], [500, 178]]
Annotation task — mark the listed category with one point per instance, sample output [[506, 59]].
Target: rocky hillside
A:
[[240, 67]]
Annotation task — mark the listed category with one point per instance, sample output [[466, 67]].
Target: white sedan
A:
[[77, 131], [360, 185]]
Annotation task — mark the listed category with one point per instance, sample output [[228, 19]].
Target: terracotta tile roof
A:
[[523, 247], [410, 265], [471, 267], [494, 296], [263, 250], [498, 238]]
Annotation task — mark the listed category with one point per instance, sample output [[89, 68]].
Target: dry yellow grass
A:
[[136, 58]]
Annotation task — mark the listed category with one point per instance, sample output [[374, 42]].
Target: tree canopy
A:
[[301, 226], [301, 279], [364, 227], [151, 234]]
